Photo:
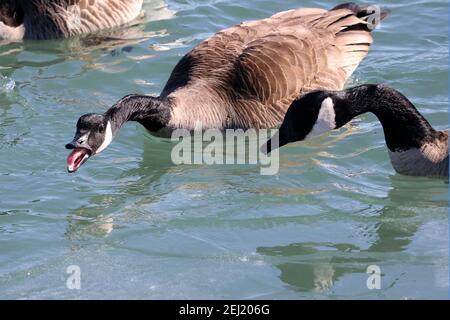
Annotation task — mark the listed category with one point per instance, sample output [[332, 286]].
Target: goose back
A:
[[248, 75], [43, 19]]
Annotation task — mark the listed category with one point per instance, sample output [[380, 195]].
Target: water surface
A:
[[140, 227]]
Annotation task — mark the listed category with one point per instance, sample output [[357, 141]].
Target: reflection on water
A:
[[319, 266], [84, 47], [87, 48], [324, 267], [144, 181]]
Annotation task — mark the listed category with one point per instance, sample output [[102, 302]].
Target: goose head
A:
[[310, 115], [93, 134]]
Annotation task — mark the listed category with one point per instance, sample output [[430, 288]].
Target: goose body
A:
[[50, 19], [415, 147], [246, 76]]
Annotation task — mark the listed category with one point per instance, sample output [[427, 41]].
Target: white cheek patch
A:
[[107, 140], [326, 120]]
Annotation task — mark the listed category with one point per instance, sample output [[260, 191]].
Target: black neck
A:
[[149, 111], [404, 127]]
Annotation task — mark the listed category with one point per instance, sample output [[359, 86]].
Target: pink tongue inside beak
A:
[[76, 158]]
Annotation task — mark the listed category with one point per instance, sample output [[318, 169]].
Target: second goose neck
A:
[[404, 127]]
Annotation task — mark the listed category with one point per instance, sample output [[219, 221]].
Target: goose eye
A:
[[101, 128]]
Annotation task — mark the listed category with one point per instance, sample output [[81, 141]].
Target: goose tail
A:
[[352, 26]]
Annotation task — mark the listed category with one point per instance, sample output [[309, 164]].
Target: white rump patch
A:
[[107, 140], [11, 33], [326, 120]]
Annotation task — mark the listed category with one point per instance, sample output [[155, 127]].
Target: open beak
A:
[[79, 155]]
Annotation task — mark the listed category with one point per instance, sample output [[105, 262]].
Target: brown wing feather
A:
[[45, 19], [101, 14], [247, 76]]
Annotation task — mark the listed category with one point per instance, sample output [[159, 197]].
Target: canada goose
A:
[[45, 19], [242, 77], [415, 148]]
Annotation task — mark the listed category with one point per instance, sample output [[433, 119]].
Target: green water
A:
[[140, 227]]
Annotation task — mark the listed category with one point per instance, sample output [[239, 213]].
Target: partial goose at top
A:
[[415, 147], [44, 19], [244, 77]]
